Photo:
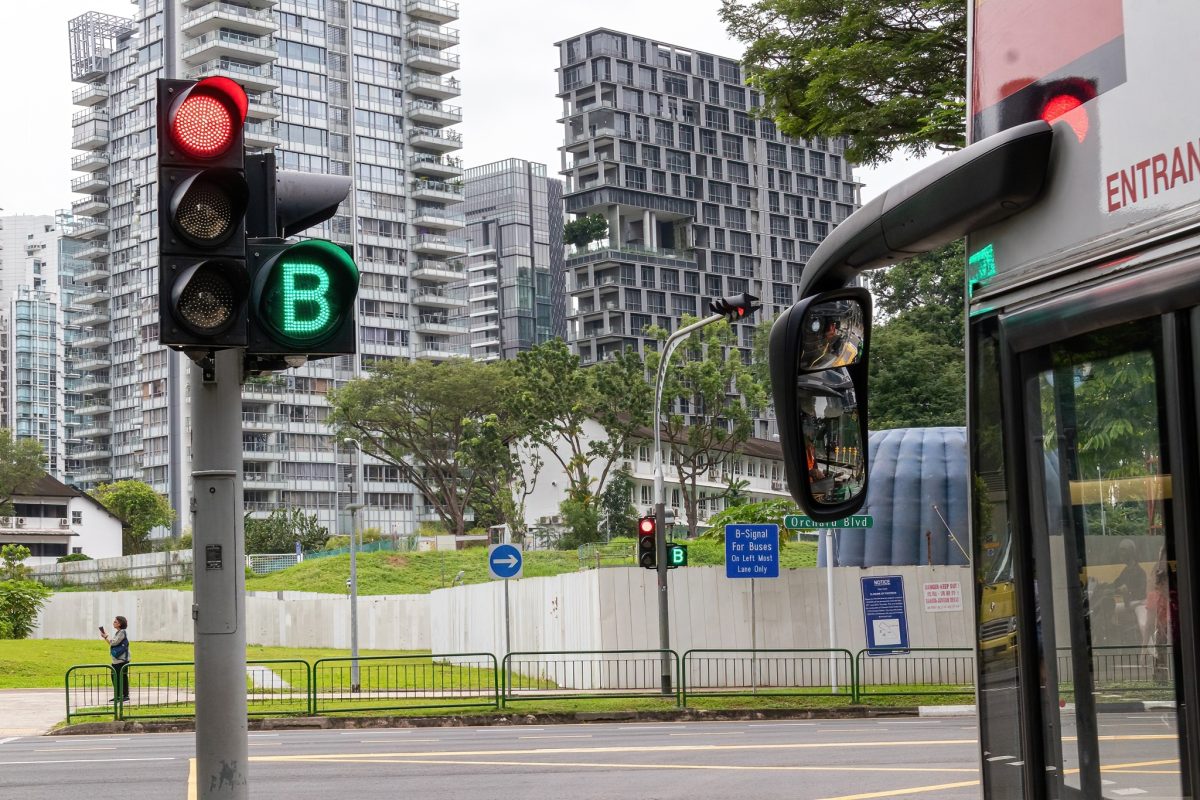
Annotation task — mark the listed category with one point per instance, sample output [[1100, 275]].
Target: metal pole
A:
[[660, 501], [507, 622], [354, 508], [219, 579], [829, 603], [753, 640]]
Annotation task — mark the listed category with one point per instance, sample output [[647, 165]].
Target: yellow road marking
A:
[[191, 779], [897, 792]]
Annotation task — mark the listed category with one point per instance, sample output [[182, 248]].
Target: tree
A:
[[587, 229], [506, 466], [768, 512], [417, 417], [139, 508], [917, 361], [702, 418], [619, 517], [20, 602], [280, 531], [11, 566], [886, 74], [555, 398], [22, 464]]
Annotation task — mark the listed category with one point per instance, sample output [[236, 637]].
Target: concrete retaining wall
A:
[[172, 565]]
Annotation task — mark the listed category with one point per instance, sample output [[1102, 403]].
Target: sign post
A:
[[833, 682], [505, 561], [752, 551]]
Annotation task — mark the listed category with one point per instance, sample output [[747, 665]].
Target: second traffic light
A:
[[734, 307], [646, 552]]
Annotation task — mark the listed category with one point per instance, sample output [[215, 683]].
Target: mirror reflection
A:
[[832, 436], [831, 335]]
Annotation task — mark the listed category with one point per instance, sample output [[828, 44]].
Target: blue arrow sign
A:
[[504, 561]]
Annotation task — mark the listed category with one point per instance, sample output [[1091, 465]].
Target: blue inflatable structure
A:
[[917, 494]]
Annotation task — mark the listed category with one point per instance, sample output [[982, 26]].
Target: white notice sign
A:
[[943, 596]]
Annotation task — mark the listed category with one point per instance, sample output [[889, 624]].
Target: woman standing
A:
[[118, 650]]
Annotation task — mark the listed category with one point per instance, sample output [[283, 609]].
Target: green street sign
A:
[[676, 555], [796, 522]]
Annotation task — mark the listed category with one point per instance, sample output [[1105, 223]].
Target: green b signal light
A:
[[304, 293]]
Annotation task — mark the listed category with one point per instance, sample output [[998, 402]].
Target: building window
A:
[[76, 517]]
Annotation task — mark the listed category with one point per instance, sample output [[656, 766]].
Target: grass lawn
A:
[[422, 572]]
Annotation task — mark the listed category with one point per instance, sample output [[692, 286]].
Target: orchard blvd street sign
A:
[[796, 522]]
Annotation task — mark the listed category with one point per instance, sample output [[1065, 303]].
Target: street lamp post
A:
[[354, 508]]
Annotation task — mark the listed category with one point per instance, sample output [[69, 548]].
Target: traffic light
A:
[[647, 556], [1063, 99], [302, 294], [735, 307], [676, 555], [203, 283]]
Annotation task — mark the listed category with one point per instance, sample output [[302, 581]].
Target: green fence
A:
[[914, 671], [90, 691], [587, 674], [766, 672], [388, 683]]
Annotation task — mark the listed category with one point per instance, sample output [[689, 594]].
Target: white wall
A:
[[286, 619]]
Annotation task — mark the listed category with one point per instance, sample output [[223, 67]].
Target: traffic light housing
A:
[[647, 554], [676, 555], [203, 283], [735, 307]]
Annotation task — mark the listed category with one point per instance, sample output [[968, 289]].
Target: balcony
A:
[[92, 341], [429, 86], [432, 325], [91, 364], [90, 184], [215, 16], [432, 11], [93, 386], [436, 114], [431, 60], [89, 230], [92, 319], [224, 44], [258, 5], [264, 480], [260, 451], [431, 244], [254, 79], [436, 298], [439, 219], [92, 136], [90, 206], [92, 298], [437, 190], [262, 107], [92, 161], [437, 351], [441, 141], [428, 34], [435, 166], [94, 474], [90, 95], [261, 135], [93, 250], [93, 408], [262, 421], [93, 432], [437, 272]]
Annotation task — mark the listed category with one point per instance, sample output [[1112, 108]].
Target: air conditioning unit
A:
[[5, 522], [777, 485], [63, 522], [20, 522]]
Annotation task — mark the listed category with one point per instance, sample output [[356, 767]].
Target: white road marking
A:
[[71, 749], [1126, 792], [562, 736], [9, 739], [83, 761]]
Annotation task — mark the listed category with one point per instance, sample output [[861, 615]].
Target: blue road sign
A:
[[883, 612], [504, 561], [751, 551]]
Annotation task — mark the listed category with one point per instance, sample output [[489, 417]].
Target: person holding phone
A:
[[118, 650]]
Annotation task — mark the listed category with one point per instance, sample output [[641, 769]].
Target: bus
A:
[[1079, 198]]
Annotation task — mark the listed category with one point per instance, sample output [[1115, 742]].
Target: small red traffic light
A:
[[1058, 105], [205, 122], [646, 526]]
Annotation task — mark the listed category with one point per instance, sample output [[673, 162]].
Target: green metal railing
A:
[[914, 671], [766, 672], [90, 692], [388, 683], [586, 674]]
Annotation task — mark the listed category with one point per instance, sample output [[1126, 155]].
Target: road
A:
[[829, 759]]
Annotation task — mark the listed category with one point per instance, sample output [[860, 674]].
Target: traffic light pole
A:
[[660, 494], [219, 578]]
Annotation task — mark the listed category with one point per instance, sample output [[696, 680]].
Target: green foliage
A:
[[280, 531], [587, 229], [12, 568], [735, 492], [139, 507], [21, 467], [618, 515], [699, 378], [73, 557], [886, 74], [768, 512], [419, 417], [495, 448], [20, 602], [583, 523], [368, 535], [917, 361]]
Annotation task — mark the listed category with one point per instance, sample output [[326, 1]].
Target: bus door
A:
[[1102, 413]]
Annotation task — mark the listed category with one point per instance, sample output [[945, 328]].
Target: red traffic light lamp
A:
[[735, 307], [647, 555]]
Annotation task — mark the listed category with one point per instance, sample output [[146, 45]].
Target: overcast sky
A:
[[508, 61]]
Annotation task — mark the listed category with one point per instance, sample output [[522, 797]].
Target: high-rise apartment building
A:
[[514, 224], [703, 198], [349, 88]]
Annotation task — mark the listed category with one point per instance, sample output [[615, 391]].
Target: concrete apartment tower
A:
[[514, 224], [350, 88], [702, 197]]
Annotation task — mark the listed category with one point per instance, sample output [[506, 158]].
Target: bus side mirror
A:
[[818, 362]]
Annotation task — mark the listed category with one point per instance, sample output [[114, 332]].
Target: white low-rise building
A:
[[54, 520]]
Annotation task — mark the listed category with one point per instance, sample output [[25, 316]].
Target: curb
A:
[[463, 721], [946, 711]]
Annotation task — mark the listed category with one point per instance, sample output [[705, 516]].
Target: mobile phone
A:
[[102, 629]]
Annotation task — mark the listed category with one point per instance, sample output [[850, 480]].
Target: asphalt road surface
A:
[[835, 759]]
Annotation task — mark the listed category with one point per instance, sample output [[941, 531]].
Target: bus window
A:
[[1103, 564]]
